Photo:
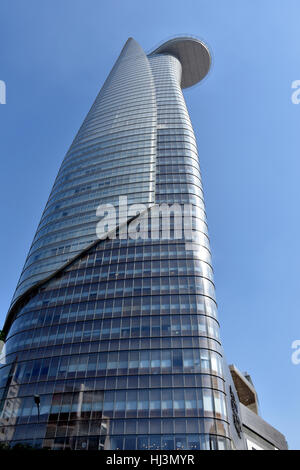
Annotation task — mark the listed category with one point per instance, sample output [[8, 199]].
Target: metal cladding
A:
[[193, 56]]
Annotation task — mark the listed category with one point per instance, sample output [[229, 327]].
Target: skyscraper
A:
[[113, 343]]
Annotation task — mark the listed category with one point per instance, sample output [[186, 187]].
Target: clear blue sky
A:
[[54, 57]]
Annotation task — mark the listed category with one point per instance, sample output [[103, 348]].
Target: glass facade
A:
[[119, 338]]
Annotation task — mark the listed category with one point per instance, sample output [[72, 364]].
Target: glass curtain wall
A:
[[121, 345]]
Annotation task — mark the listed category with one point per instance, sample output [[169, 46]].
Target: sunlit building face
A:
[[119, 337]]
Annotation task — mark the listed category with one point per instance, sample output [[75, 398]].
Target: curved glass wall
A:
[[113, 154], [122, 345]]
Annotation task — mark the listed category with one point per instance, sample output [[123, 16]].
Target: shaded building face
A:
[[119, 337]]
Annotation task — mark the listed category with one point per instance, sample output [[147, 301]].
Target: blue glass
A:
[[119, 338]]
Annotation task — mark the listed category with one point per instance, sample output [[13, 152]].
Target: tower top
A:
[[193, 55]]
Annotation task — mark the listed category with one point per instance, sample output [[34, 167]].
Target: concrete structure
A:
[[258, 433]]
